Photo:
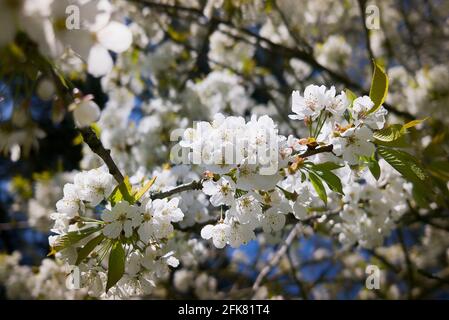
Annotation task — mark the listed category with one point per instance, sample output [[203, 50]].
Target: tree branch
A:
[[274, 47], [277, 257], [91, 139], [194, 185], [362, 4]]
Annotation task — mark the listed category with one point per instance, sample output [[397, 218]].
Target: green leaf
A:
[[327, 166], [122, 192], [350, 95], [379, 87], [116, 265], [404, 163], [288, 195], [374, 168], [400, 142], [390, 133], [71, 238], [414, 123], [333, 181], [144, 189], [409, 167], [318, 186], [87, 249]]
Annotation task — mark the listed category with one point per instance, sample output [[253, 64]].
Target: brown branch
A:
[[91, 139], [311, 152], [194, 185]]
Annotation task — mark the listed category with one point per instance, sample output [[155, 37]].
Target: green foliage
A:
[[350, 95], [116, 265], [122, 192], [84, 252], [326, 166], [393, 135], [390, 133], [379, 87], [324, 172], [414, 123], [318, 186], [373, 166], [144, 189], [72, 238], [410, 168]]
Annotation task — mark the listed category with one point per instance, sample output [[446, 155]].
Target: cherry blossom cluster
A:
[[144, 229], [251, 201], [253, 150], [333, 119]]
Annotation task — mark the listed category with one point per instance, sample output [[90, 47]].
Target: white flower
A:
[[167, 210], [354, 143], [311, 104], [70, 204], [360, 108], [122, 217], [97, 34], [95, 185], [85, 112], [336, 105], [240, 234], [272, 221], [219, 233], [157, 218], [221, 192], [299, 210], [247, 209], [173, 261], [376, 120]]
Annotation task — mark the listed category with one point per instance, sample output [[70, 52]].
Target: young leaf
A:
[[414, 123], [327, 166], [122, 192], [144, 189], [374, 168], [400, 142], [288, 195], [71, 238], [87, 249], [318, 186], [404, 163], [390, 133], [379, 87], [333, 181], [411, 170], [116, 265], [350, 95]]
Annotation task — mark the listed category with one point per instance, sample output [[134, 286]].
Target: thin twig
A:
[[194, 185], [367, 40], [277, 257]]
